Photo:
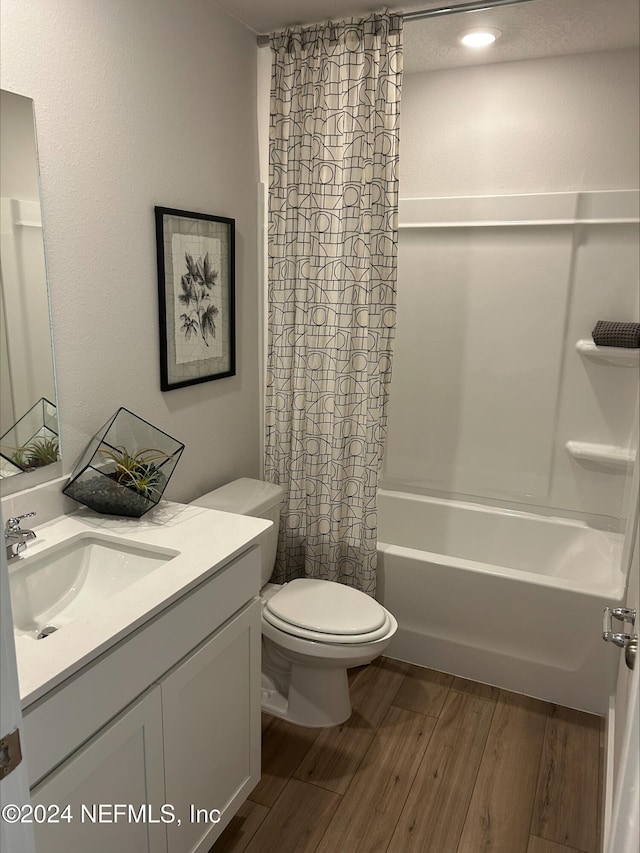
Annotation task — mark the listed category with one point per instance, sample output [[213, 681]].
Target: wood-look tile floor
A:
[[427, 762]]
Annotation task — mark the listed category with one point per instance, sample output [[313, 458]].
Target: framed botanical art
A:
[[196, 290]]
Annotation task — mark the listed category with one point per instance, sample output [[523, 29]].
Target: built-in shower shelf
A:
[[606, 456], [620, 356]]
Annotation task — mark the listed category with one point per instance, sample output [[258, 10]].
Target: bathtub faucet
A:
[[15, 538]]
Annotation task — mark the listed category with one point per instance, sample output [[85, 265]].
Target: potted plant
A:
[[32, 441], [38, 452], [125, 468]]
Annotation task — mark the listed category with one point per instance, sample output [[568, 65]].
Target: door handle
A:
[[628, 642]]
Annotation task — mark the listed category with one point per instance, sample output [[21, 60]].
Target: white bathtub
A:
[[506, 598]]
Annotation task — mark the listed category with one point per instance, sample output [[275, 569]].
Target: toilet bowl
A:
[[312, 630]]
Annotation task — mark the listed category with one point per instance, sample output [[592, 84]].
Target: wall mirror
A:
[[28, 405]]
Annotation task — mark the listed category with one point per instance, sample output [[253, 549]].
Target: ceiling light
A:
[[479, 37]]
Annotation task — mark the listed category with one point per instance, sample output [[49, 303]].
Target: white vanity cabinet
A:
[[211, 713], [121, 764], [168, 720]]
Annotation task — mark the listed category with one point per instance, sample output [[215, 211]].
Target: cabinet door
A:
[[123, 765], [211, 713]]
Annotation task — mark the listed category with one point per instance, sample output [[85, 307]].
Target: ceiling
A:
[[529, 30]]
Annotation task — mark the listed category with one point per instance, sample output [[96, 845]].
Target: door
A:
[[14, 788], [211, 712], [623, 832], [109, 795]]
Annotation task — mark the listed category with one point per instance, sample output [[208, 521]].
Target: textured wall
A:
[[137, 104], [544, 125]]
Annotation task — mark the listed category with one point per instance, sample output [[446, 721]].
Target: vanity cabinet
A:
[[121, 764], [211, 713], [187, 747]]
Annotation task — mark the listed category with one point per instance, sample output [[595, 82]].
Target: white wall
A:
[[546, 125], [487, 386], [139, 104]]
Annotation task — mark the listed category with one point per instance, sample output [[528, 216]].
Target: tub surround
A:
[[522, 408], [206, 540]]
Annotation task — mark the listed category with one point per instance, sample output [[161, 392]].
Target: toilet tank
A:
[[255, 498]]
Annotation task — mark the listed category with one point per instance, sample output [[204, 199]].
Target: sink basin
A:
[[75, 578]]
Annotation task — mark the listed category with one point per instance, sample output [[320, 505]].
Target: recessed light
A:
[[479, 36]]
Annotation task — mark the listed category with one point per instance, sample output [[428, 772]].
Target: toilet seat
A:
[[326, 612]]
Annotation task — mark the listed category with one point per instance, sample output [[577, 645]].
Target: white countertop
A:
[[206, 541]]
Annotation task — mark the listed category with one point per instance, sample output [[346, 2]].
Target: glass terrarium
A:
[[125, 467], [32, 441]]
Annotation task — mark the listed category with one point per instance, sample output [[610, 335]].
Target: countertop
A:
[[206, 541]]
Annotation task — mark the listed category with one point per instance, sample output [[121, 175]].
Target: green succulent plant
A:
[[37, 453], [137, 470]]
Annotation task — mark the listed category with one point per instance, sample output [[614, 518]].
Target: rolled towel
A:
[[609, 333]]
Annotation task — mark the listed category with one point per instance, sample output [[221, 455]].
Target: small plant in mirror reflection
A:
[[137, 470], [196, 286], [36, 454]]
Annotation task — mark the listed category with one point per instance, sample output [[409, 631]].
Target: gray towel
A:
[[609, 333]]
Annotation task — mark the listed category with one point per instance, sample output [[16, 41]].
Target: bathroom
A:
[[114, 86]]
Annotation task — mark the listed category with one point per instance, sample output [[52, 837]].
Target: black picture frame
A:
[[196, 297]]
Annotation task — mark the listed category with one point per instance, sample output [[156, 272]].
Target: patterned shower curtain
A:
[[333, 199]]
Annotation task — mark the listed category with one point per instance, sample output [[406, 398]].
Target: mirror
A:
[[28, 415]]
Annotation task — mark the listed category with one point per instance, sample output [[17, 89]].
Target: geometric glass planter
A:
[[33, 440], [125, 467]]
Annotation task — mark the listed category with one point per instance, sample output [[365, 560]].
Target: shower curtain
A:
[[333, 198]]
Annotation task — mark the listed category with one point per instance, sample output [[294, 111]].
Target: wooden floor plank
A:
[[423, 690], [602, 757], [541, 845], [375, 688], [336, 753], [471, 792], [475, 688], [499, 815], [354, 672], [241, 828], [297, 821], [433, 816], [283, 748], [566, 808], [369, 811]]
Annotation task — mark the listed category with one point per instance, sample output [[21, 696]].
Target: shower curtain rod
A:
[[476, 6]]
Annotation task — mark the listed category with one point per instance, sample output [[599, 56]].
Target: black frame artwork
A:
[[196, 290]]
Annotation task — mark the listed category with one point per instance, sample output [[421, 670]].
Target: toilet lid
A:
[[322, 637], [325, 607]]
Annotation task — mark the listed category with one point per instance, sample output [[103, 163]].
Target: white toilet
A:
[[312, 630]]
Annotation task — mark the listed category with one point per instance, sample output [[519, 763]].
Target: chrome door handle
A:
[[628, 642]]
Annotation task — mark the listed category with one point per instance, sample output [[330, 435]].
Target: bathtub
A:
[[506, 598]]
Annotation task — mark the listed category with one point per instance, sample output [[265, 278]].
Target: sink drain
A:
[[45, 632]]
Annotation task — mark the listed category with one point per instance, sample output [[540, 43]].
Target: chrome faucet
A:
[[15, 538]]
